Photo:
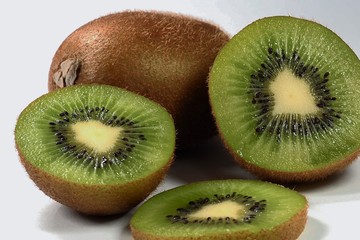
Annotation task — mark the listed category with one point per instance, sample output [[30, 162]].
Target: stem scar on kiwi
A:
[[163, 56], [67, 73], [95, 148], [222, 209], [286, 103]]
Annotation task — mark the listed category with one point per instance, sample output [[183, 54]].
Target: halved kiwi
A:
[[285, 95], [163, 56], [222, 209], [98, 149]]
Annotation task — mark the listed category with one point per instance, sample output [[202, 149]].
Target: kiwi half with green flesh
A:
[[222, 209], [163, 56], [285, 95], [97, 149]]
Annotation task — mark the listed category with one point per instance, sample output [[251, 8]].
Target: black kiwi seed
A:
[[81, 154], [185, 221], [63, 114]]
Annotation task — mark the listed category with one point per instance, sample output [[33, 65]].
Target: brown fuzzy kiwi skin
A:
[[289, 230], [283, 177], [160, 55], [96, 200]]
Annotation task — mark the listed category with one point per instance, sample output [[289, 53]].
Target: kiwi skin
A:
[[289, 230], [291, 177], [97, 200], [163, 56]]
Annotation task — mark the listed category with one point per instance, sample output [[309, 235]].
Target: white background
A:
[[30, 33]]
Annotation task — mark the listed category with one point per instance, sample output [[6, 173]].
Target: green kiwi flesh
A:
[[222, 209], [95, 148], [253, 83], [163, 56]]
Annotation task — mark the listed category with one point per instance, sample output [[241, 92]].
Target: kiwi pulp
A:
[[222, 209], [163, 56], [95, 148], [284, 93]]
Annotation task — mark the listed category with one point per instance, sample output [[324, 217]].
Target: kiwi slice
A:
[[163, 56], [97, 149], [222, 209], [285, 95]]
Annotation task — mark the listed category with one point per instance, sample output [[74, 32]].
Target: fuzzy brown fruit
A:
[[163, 56]]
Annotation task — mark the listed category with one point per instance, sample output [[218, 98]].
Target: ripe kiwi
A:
[[163, 56], [95, 148], [222, 209], [285, 95]]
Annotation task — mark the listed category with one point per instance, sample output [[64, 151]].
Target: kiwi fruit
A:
[[98, 149], [222, 209], [285, 95], [163, 56]]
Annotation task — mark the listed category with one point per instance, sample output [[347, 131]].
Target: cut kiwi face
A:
[[160, 55], [285, 96], [222, 209], [95, 148]]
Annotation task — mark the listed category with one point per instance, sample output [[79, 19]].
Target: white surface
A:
[[31, 31]]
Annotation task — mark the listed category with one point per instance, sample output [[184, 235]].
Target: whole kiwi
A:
[[163, 56]]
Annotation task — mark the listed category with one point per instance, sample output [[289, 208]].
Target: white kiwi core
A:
[[96, 135], [292, 95], [224, 209]]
